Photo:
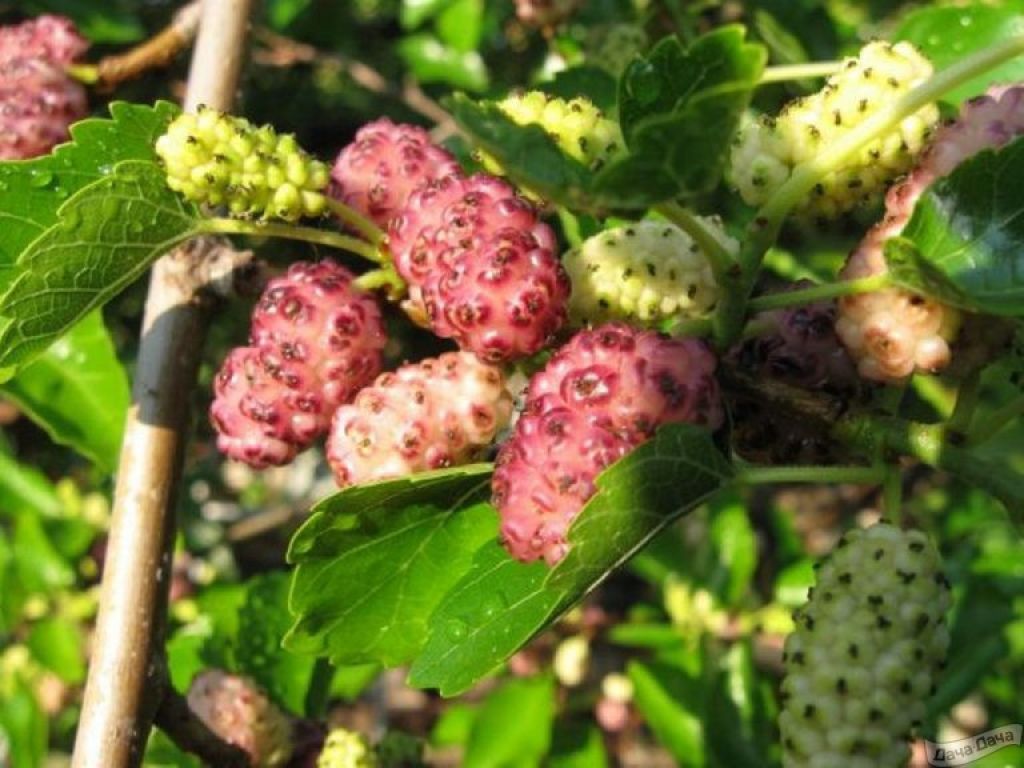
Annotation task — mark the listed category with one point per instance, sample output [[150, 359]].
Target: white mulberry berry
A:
[[240, 713], [222, 160], [892, 333], [377, 172], [767, 150], [428, 415], [346, 749], [315, 342], [643, 272], [868, 645], [598, 398]]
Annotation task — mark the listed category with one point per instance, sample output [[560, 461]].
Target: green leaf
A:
[[281, 13], [679, 108], [112, 21], [40, 567], [374, 561], [947, 34], [107, 235], [577, 745], [735, 547], [513, 727], [592, 82], [23, 726], [500, 604], [460, 25], [263, 621], [56, 643], [415, 12], [453, 726], [25, 489], [672, 702], [431, 61], [32, 191], [964, 243], [78, 392]]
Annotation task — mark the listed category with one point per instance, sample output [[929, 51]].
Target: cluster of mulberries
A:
[[384, 164], [893, 333], [766, 150], [598, 398], [315, 341], [428, 415], [643, 272], [38, 100], [578, 127], [223, 160], [481, 266], [240, 713], [866, 651]]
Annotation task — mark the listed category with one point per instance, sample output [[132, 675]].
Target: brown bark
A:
[[126, 679]]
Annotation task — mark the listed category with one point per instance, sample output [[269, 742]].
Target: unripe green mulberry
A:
[[866, 651], [346, 749], [578, 127], [222, 160], [642, 272], [767, 150]]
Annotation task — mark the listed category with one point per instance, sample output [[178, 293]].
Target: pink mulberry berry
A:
[[240, 713], [598, 398], [481, 266], [386, 162], [38, 101], [432, 414], [315, 342], [891, 332]]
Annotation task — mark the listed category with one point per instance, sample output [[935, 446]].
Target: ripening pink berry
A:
[[428, 415], [384, 164], [599, 397], [892, 333], [49, 37], [315, 341], [481, 266]]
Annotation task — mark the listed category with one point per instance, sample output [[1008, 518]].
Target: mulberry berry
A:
[[222, 160], [315, 342], [346, 749], [767, 150], [480, 266], [428, 415], [377, 172], [578, 127], [866, 651], [644, 272], [240, 713], [893, 333], [598, 398], [39, 100]]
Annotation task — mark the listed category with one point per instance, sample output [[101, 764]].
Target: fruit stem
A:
[[690, 327], [356, 220], [87, 74], [385, 277], [892, 495], [994, 423], [767, 222], [811, 474], [819, 292], [354, 245], [707, 239], [786, 72]]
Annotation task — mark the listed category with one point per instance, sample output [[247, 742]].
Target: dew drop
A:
[[456, 629], [135, 227], [643, 83], [40, 179], [71, 219]]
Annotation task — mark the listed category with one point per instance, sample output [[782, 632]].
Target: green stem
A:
[[811, 474], [87, 74], [966, 402], [799, 71], [291, 232], [356, 220], [386, 278], [892, 494], [994, 423], [767, 223], [707, 239], [819, 292], [690, 327]]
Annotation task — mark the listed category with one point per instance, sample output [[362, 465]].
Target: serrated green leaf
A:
[[528, 155], [374, 561], [56, 643], [592, 82], [77, 391], [964, 243], [679, 109], [106, 236], [513, 727], [32, 191], [947, 34], [500, 604]]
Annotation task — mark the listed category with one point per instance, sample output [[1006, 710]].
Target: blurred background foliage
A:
[[674, 660]]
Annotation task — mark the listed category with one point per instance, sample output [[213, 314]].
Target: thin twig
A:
[[191, 734], [155, 53], [125, 682]]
